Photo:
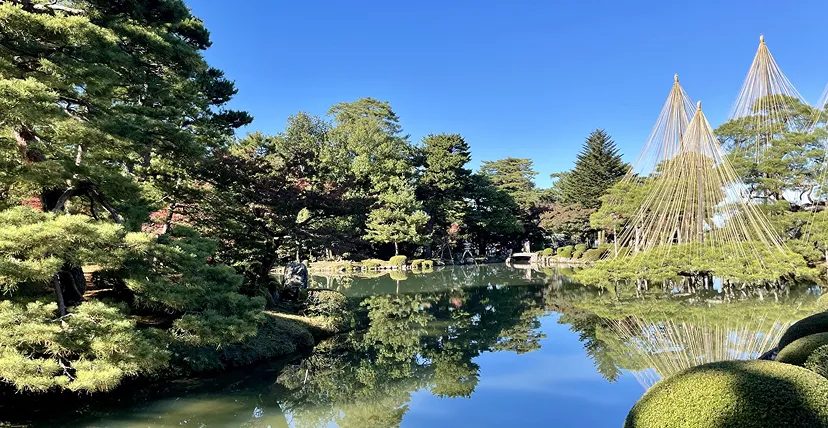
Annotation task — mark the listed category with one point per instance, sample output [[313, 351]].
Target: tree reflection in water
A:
[[428, 339], [425, 332]]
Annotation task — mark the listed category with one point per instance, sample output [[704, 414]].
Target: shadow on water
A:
[[426, 333]]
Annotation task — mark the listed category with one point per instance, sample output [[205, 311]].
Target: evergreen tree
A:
[[598, 166], [278, 197], [397, 217], [443, 181], [516, 177], [492, 215], [107, 113]]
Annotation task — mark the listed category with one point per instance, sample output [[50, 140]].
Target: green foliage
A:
[[735, 394], [733, 263], [397, 217], [417, 264], [565, 251], [397, 261], [515, 176], [597, 167], [817, 323], [571, 221], [593, 255], [174, 274], [547, 252], [428, 264], [93, 348], [798, 351], [275, 337], [443, 181], [580, 249], [35, 246], [791, 155], [817, 362], [619, 204], [493, 216]]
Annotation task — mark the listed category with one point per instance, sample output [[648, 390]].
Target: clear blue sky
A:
[[515, 78]]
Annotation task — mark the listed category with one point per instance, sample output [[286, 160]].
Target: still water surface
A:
[[479, 346]]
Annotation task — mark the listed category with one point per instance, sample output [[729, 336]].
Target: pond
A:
[[488, 345]]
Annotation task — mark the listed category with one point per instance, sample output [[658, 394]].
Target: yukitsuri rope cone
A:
[[694, 198], [768, 100], [693, 217]]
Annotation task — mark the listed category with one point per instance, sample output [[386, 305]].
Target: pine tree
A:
[[598, 166], [108, 112], [398, 217], [443, 181]]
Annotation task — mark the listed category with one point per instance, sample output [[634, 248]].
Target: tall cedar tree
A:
[[598, 166]]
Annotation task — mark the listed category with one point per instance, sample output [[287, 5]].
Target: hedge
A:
[[798, 351], [735, 394], [565, 252], [818, 361], [817, 323]]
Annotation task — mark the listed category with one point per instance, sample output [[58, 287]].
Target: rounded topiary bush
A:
[[817, 362], [735, 394], [798, 351], [817, 323]]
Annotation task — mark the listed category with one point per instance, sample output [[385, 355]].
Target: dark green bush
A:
[[592, 255], [397, 261], [817, 323], [735, 394], [797, 352], [565, 252], [818, 361]]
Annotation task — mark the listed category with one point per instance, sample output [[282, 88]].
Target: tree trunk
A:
[[396, 249], [59, 295]]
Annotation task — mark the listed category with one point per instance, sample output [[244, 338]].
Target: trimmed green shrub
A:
[[372, 263], [817, 323], [417, 264], [817, 362], [737, 394], [592, 255], [580, 249], [547, 252], [798, 351], [565, 252], [397, 261], [428, 264]]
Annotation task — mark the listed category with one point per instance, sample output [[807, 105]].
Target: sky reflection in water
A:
[[477, 346]]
